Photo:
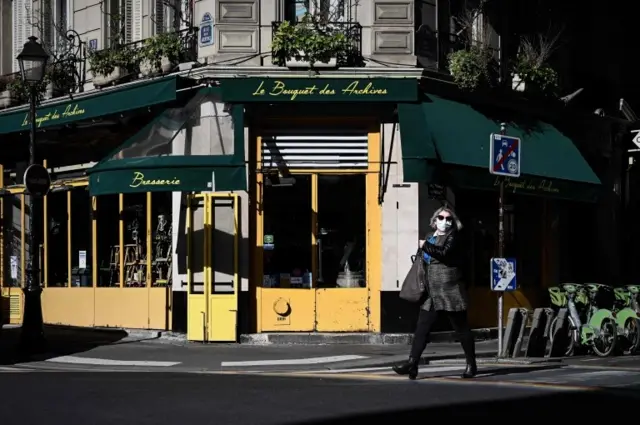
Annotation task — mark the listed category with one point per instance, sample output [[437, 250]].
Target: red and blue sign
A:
[[505, 154]]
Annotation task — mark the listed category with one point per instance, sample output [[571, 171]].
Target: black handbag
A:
[[414, 286]]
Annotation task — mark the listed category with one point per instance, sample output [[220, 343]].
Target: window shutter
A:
[[47, 25], [161, 12], [136, 25], [22, 29]]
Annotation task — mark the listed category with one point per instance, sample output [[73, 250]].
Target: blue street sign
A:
[[505, 155], [206, 30], [503, 274]]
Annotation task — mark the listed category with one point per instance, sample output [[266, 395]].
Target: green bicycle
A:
[[589, 326], [627, 307]]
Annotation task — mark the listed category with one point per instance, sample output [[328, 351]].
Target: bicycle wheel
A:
[[604, 344], [571, 336], [632, 335]]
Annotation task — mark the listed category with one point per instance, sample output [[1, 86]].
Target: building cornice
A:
[[217, 71]]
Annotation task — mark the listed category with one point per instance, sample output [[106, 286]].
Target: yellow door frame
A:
[[212, 317], [328, 309]]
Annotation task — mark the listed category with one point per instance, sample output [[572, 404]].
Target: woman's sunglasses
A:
[[441, 217]]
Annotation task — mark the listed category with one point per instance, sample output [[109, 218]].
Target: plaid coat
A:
[[447, 291]]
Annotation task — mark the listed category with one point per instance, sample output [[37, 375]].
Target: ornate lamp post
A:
[[33, 61]]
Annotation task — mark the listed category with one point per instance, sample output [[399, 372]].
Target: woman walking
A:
[[446, 293]]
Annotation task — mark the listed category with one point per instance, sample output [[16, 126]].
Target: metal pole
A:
[[32, 337], [503, 131]]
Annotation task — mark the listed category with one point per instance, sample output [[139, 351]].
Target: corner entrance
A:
[[313, 238], [212, 264]]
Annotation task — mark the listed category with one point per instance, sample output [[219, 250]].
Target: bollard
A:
[[517, 349], [516, 321], [560, 333], [538, 334]]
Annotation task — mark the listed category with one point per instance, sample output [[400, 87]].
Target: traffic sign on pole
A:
[[37, 180], [503, 274], [505, 154]]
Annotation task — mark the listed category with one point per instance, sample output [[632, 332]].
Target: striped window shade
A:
[[315, 151]]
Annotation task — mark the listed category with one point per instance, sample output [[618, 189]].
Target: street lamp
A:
[[33, 61]]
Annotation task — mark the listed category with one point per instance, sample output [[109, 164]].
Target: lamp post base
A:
[[32, 339]]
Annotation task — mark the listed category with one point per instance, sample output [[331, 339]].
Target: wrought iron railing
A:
[[65, 74], [350, 55], [68, 73]]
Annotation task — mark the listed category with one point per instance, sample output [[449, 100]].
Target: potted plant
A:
[[160, 54], [531, 73], [111, 65], [20, 91], [472, 68], [5, 93], [309, 43], [61, 78]]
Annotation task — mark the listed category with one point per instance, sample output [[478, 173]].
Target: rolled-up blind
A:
[[311, 151]]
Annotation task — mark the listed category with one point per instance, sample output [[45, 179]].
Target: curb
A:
[[307, 338]]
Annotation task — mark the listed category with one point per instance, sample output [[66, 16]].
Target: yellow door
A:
[[312, 238], [212, 262]]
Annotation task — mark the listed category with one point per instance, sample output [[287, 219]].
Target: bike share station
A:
[[593, 317]]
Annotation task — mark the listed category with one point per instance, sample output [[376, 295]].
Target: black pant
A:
[[460, 324]]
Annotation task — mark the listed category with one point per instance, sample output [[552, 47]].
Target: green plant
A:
[[532, 67], [20, 91], [539, 79], [167, 45], [472, 68], [62, 76], [105, 61], [310, 40], [4, 82]]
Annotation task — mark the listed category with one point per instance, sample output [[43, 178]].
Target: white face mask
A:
[[443, 225]]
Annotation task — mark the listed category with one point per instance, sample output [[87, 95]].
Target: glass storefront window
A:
[[108, 240]]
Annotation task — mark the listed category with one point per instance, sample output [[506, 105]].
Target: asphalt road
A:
[[37, 397]]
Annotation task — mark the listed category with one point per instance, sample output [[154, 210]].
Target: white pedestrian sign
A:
[[503, 274], [504, 155], [636, 138]]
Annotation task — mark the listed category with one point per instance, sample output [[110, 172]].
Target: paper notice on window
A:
[[14, 266], [82, 259]]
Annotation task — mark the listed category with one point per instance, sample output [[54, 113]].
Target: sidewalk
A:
[[84, 348]]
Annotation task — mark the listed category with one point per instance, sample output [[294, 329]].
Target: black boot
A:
[[469, 347], [471, 371], [410, 367]]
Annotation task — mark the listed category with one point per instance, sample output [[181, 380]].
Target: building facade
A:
[[240, 189]]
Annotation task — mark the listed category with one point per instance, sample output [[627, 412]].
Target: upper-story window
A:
[[49, 20], [328, 10], [124, 21], [171, 15]]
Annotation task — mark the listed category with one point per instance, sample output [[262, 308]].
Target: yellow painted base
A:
[[286, 310], [342, 310], [138, 308], [11, 302]]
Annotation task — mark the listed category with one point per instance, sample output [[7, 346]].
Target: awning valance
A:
[[456, 137], [97, 103], [198, 146]]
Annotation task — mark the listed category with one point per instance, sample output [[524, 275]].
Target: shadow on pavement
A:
[[60, 341], [542, 407]]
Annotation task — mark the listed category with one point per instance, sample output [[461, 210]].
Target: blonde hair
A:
[[455, 218]]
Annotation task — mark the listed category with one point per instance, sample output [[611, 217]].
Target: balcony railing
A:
[[350, 55], [70, 71]]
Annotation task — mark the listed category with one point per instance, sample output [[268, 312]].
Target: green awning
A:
[[418, 149], [93, 104], [157, 160], [457, 136]]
